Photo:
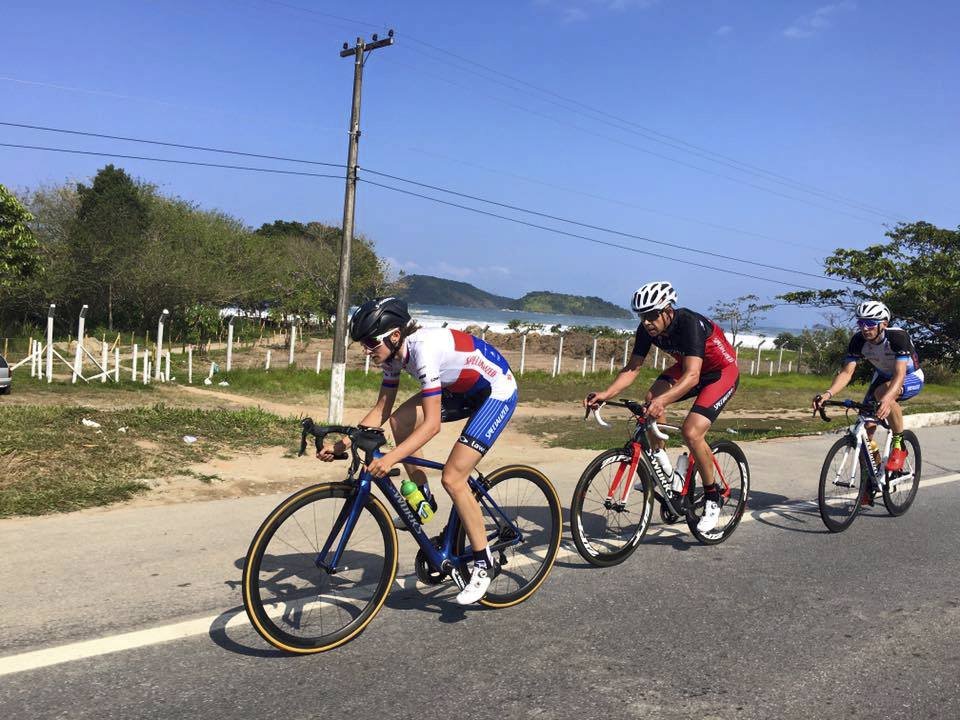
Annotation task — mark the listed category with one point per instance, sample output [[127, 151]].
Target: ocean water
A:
[[460, 317]]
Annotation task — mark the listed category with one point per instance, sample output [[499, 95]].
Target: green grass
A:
[[51, 462], [124, 391], [294, 383]]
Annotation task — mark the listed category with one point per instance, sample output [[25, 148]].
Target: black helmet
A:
[[378, 316]]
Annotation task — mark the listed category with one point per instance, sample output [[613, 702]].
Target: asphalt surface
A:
[[783, 620]]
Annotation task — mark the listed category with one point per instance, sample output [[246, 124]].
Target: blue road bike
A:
[[321, 565]]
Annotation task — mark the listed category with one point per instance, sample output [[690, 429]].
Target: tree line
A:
[[120, 246]]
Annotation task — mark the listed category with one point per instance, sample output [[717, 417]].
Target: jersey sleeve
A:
[[641, 343], [900, 344], [692, 336], [854, 349], [424, 365]]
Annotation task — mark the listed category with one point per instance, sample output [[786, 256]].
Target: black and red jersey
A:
[[689, 334]]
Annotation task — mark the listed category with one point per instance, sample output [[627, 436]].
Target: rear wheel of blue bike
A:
[[294, 602], [842, 481], [527, 499], [900, 488]]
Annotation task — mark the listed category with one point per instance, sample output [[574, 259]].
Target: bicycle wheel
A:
[[842, 480], [298, 606], [607, 531], [900, 497], [731, 465], [527, 498]]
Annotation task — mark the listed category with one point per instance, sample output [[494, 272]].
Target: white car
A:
[[5, 377]]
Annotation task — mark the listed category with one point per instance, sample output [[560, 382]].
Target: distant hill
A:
[[428, 290]]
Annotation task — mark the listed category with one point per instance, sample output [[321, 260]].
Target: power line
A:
[[170, 144], [174, 162], [590, 226], [580, 237], [656, 136]]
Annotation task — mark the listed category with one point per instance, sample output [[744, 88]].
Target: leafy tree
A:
[[19, 256], [916, 274], [522, 327], [110, 225], [740, 315]]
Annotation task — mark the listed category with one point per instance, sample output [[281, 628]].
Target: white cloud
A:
[[445, 269], [572, 15], [723, 30], [819, 20], [572, 11]]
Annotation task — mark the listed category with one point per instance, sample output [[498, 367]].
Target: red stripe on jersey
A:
[[466, 380], [462, 342]]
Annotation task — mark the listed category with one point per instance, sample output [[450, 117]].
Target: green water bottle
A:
[[414, 496]]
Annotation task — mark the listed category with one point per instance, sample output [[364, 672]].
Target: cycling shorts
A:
[[487, 416], [712, 390], [912, 385]]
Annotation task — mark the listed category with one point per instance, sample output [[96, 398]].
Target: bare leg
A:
[[457, 469], [695, 429], [403, 422]]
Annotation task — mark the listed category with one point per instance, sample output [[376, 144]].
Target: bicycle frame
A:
[[442, 558]]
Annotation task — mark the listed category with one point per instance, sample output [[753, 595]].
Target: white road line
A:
[[37, 659]]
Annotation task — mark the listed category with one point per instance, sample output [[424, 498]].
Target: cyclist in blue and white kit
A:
[[460, 377], [897, 374]]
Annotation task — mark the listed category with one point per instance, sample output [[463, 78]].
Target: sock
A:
[[483, 558], [897, 441], [712, 493]]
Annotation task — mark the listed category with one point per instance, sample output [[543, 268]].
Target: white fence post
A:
[[771, 368], [50, 314], [104, 358], [134, 359], [790, 366], [523, 352], [268, 360], [167, 367], [559, 357], [146, 366], [293, 339], [780, 361], [656, 357], [319, 355], [366, 365], [78, 358], [752, 363], [163, 316], [626, 346], [553, 372], [583, 372], [230, 342], [593, 360], [32, 354], [611, 364], [190, 364], [116, 363]]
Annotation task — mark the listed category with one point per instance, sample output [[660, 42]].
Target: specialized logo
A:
[[499, 419], [486, 368], [726, 396]]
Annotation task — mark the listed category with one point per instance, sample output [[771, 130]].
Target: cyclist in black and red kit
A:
[[705, 369]]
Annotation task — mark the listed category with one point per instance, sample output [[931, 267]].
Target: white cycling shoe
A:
[[480, 580], [711, 516]]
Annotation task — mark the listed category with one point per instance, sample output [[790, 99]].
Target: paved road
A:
[[784, 620]]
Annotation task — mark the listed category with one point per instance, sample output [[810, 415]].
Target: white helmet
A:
[[873, 310], [653, 296]]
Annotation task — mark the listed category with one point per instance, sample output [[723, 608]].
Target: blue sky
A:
[[851, 99]]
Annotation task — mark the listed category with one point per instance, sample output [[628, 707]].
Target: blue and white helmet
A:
[[653, 296], [873, 310]]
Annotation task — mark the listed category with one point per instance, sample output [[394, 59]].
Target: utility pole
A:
[[339, 366]]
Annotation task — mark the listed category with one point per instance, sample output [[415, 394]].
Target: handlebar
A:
[[866, 409], [366, 439], [638, 409]]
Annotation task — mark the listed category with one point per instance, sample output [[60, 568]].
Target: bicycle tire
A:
[[529, 562], [839, 507], [736, 471], [598, 531], [270, 571], [899, 500]]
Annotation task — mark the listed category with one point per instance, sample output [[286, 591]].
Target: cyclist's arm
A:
[[842, 379], [422, 434], [622, 381], [381, 411]]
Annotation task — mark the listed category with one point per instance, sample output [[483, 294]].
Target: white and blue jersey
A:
[[471, 376], [894, 346]]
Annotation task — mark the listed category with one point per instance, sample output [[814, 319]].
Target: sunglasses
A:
[[650, 316], [868, 323], [372, 343]]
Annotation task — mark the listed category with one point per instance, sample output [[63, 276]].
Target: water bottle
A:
[[415, 498], [680, 472], [664, 461], [874, 451]]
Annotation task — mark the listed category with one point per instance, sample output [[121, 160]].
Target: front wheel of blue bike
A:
[[519, 499], [294, 599]]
